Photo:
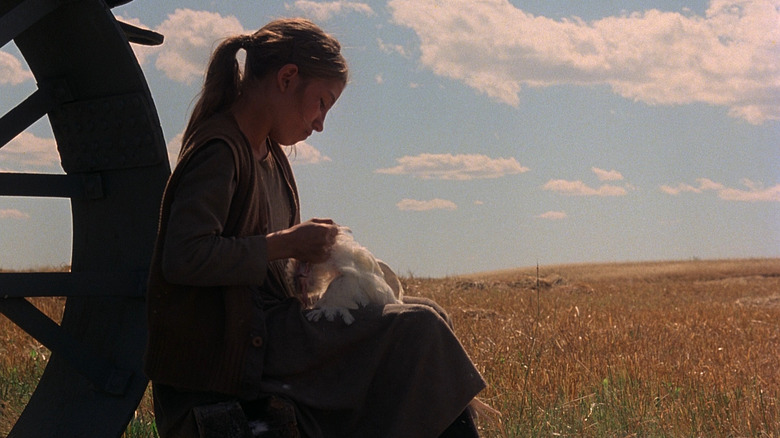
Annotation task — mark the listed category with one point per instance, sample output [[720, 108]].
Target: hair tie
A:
[[245, 41]]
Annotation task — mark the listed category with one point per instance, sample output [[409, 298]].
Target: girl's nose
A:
[[318, 124]]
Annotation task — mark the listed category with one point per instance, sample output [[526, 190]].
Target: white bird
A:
[[351, 278]]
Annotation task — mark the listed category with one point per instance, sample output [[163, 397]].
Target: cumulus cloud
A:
[[307, 154], [769, 194], [708, 184], [753, 191], [454, 167], [433, 204], [679, 188], [607, 175], [12, 213], [190, 37], [704, 184], [323, 11], [553, 215], [579, 188], [28, 150], [728, 57], [12, 71]]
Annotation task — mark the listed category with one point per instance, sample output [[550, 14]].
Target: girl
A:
[[226, 332]]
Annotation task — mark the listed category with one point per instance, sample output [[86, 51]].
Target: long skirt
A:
[[397, 371]]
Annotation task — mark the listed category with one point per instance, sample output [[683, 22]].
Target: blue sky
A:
[[484, 135]]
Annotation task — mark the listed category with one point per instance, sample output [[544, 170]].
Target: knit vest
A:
[[199, 336]]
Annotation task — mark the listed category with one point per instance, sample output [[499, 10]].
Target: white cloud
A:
[[307, 154], [704, 184], [607, 175], [392, 48], [769, 194], [553, 215], [579, 188], [729, 57], [753, 192], [708, 184], [12, 213], [12, 71], [433, 204], [190, 37], [454, 167], [28, 150], [679, 188], [323, 11]]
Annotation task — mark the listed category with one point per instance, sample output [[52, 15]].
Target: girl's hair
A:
[[285, 41]]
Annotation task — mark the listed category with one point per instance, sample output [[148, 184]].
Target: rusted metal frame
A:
[[74, 186], [102, 373]]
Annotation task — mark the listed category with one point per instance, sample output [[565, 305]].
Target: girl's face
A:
[[308, 102]]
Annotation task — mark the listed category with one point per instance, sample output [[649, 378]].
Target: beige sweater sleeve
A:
[[195, 252]]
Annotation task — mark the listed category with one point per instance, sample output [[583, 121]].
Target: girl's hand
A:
[[308, 241]]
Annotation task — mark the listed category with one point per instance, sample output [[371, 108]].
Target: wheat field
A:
[[673, 349], [665, 349]]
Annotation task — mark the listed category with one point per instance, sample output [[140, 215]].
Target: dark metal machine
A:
[[112, 149]]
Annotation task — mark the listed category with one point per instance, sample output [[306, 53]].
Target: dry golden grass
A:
[[664, 349], [636, 349]]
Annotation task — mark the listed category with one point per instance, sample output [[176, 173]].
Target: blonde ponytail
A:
[[221, 85]]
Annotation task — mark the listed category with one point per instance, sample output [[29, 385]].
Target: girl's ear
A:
[[285, 76]]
